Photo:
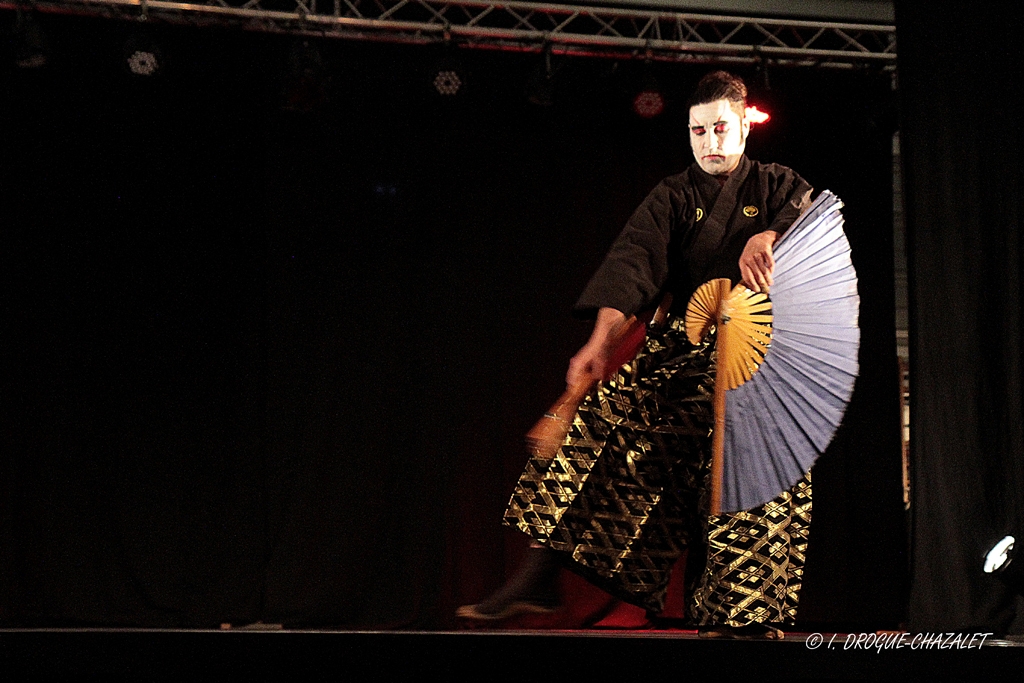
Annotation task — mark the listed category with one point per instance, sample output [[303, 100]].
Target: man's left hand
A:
[[757, 262]]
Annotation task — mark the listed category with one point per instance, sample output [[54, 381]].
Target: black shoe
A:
[[531, 590]]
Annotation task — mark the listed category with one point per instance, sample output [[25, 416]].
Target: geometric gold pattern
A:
[[628, 492], [755, 562]]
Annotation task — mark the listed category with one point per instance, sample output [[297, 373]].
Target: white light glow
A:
[[998, 557]]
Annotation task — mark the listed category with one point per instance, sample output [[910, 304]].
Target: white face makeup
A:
[[718, 136]]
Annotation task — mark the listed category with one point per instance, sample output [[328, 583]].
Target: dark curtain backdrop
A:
[[275, 322], [960, 96]]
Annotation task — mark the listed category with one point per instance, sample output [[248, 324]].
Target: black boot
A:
[[532, 589]]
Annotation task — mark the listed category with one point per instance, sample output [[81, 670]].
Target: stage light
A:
[[755, 115], [540, 89], [999, 562], [649, 101], [142, 63], [1000, 556], [761, 79], [142, 56], [648, 104], [305, 85], [447, 82], [447, 75]]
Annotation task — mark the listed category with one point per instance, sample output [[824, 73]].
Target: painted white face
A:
[[718, 136]]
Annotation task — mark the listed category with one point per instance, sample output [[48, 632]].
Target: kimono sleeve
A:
[[636, 267]]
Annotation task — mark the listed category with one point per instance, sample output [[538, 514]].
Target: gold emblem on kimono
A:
[[700, 213], [750, 211]]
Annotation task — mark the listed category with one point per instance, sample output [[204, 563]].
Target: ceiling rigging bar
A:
[[590, 30]]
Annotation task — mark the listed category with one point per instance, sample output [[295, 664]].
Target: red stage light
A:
[[648, 104], [754, 115]]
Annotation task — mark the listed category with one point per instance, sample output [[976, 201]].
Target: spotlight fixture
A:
[[447, 82], [142, 56], [999, 562], [306, 80], [540, 88], [447, 76], [649, 102], [1000, 556], [142, 63], [761, 77]]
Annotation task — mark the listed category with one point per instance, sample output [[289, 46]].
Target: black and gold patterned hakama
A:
[[628, 492]]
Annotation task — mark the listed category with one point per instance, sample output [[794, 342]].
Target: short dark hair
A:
[[721, 85]]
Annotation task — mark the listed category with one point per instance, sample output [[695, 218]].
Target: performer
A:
[[628, 491]]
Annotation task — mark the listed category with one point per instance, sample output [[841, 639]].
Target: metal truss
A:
[[586, 30]]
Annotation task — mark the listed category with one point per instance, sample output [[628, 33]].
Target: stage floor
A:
[[486, 655]]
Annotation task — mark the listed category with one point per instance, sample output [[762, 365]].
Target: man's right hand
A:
[[757, 263], [590, 363]]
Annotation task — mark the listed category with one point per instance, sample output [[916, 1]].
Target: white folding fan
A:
[[786, 368]]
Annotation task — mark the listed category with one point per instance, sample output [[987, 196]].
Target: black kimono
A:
[[692, 228], [628, 491]]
